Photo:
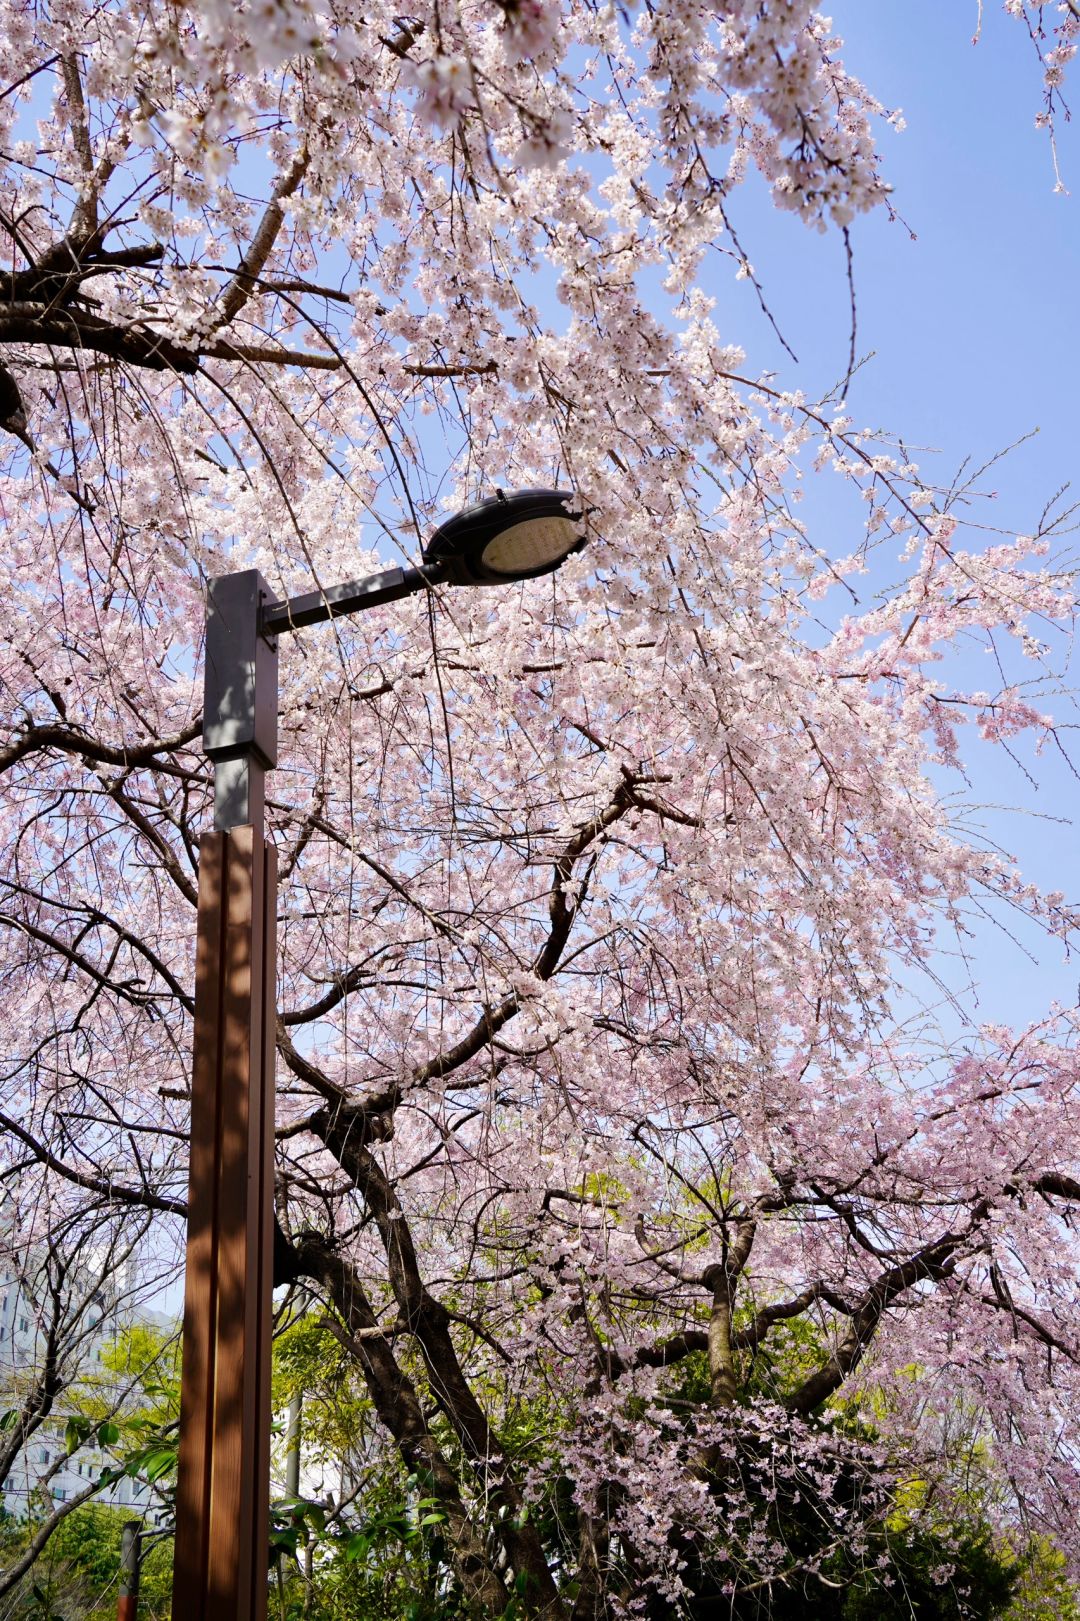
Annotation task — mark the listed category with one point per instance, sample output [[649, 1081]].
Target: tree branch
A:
[[69, 740], [935, 1262], [428, 1320], [117, 1194], [399, 1408], [243, 284], [68, 329]]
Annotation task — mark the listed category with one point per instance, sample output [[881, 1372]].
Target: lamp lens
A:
[[534, 544]]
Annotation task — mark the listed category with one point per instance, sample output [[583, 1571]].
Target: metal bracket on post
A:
[[240, 697]]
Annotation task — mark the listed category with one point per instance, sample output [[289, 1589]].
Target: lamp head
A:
[[516, 536]]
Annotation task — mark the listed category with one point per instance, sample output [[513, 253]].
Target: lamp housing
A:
[[505, 537]]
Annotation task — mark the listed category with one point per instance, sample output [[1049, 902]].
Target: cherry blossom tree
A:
[[595, 891]]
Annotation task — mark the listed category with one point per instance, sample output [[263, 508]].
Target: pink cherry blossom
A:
[[605, 898]]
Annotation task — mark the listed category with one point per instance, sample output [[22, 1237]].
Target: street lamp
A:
[[222, 1499], [506, 537]]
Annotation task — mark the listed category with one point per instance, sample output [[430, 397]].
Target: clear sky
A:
[[976, 339]]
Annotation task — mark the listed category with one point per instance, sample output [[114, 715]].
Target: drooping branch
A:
[[69, 740], [128, 990], [43, 303], [346, 1130], [138, 344], [1004, 1299], [369, 1118]]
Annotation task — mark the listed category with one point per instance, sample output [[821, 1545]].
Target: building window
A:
[[24, 1325], [59, 1493], [43, 1456]]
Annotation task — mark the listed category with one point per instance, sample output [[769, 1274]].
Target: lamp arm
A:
[[352, 596]]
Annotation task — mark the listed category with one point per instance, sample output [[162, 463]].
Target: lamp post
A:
[[131, 1538], [222, 1499]]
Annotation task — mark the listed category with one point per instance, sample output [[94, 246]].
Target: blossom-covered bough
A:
[[594, 893]]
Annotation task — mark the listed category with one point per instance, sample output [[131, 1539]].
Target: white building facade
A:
[[43, 1473]]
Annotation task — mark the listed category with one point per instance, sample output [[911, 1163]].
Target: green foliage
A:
[[389, 1564], [141, 1435], [310, 1361], [77, 1576], [386, 1557], [1042, 1591], [793, 1350], [148, 1363]]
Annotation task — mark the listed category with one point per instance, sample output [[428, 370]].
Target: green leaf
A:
[[158, 1461], [108, 1433], [285, 1539], [76, 1431], [9, 1419], [358, 1546]]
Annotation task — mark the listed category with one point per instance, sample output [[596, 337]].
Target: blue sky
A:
[[976, 342], [974, 321]]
